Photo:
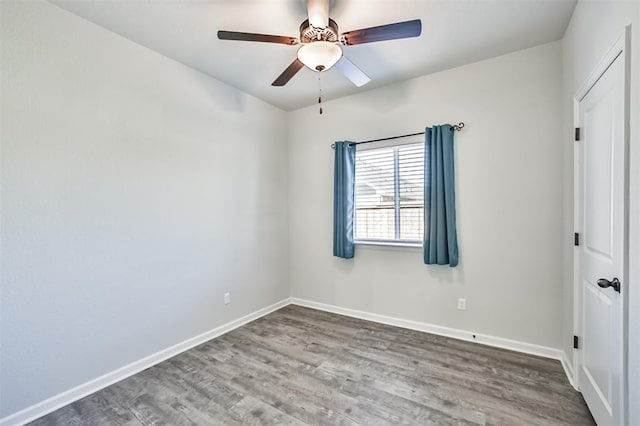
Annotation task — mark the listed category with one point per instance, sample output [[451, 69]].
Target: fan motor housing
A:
[[309, 34]]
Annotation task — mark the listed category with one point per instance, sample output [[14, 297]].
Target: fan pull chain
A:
[[320, 93]]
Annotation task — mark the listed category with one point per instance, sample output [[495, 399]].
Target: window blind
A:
[[389, 197]]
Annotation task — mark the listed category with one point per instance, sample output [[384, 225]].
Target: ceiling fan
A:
[[320, 42]]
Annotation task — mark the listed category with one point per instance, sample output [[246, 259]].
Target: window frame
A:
[[388, 242]]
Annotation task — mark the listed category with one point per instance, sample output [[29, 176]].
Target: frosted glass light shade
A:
[[319, 55]]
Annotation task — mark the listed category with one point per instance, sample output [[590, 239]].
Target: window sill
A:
[[388, 244]]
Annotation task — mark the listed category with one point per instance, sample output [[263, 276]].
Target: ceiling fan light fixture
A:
[[319, 55]]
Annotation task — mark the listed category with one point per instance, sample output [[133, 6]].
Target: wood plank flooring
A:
[[301, 366]]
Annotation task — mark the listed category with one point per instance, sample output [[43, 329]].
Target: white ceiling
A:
[[454, 33]]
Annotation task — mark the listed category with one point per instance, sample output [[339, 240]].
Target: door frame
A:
[[619, 48]]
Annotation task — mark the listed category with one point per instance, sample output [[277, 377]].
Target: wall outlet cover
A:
[[462, 304]]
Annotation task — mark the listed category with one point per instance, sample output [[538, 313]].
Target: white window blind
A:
[[389, 195]]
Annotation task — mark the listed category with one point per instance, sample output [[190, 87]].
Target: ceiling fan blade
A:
[[318, 12], [383, 32], [266, 38], [287, 74], [352, 72]]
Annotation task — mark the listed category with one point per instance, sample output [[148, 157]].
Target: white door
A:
[[600, 155]]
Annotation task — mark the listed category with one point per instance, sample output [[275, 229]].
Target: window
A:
[[389, 195]]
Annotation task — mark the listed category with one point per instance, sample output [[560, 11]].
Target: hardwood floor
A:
[[302, 366]]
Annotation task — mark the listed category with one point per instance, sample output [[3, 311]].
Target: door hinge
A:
[[576, 239], [575, 342], [577, 134]]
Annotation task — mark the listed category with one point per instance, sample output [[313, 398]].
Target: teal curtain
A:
[[344, 179], [441, 241]]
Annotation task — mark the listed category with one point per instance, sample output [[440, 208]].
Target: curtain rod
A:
[[457, 127]]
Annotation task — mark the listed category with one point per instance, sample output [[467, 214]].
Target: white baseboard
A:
[[568, 370], [47, 406], [498, 342]]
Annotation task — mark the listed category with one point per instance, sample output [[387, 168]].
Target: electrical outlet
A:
[[462, 304], [227, 298]]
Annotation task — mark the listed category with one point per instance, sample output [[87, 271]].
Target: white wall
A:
[[594, 27], [135, 191], [509, 175]]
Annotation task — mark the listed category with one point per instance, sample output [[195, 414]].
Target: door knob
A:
[[604, 283]]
